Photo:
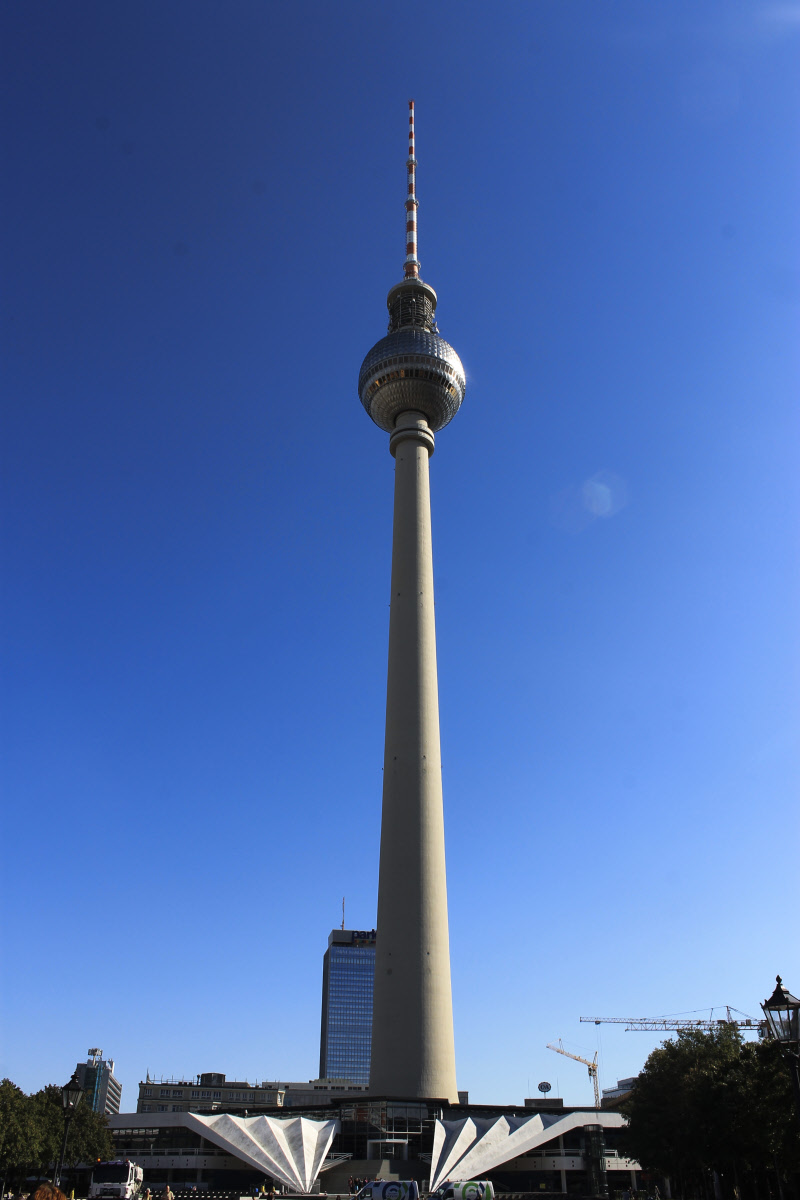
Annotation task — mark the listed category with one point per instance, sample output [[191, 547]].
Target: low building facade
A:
[[571, 1151], [212, 1092], [612, 1096]]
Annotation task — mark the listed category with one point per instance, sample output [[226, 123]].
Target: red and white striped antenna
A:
[[412, 262]]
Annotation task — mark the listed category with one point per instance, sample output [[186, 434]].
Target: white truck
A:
[[464, 1189], [394, 1189], [120, 1179]]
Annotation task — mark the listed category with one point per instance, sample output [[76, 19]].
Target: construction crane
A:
[[559, 1049], [742, 1021]]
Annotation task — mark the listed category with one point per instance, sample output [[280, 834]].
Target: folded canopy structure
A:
[[467, 1149], [289, 1150]]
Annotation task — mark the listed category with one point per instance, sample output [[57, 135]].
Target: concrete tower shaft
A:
[[413, 1051], [412, 383]]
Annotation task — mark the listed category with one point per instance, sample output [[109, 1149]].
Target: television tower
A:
[[412, 383]]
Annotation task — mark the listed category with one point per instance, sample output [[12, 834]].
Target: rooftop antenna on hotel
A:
[[342, 914]]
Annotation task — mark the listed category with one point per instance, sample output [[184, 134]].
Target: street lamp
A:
[[782, 1011], [71, 1094]]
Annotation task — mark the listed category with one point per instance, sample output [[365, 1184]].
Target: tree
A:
[[766, 1133], [713, 1113], [32, 1128], [48, 1115], [89, 1138], [18, 1133]]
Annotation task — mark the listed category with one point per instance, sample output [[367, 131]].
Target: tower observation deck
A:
[[412, 384]]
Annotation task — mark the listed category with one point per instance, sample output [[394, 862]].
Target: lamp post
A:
[[782, 1011], [71, 1094]]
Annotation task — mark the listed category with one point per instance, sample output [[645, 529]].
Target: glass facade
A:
[[348, 971]]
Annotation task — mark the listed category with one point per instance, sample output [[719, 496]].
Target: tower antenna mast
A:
[[342, 914], [412, 204]]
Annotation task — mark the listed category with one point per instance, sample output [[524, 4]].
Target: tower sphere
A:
[[412, 369]]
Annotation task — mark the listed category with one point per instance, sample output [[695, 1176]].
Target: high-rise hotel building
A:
[[96, 1076], [348, 972]]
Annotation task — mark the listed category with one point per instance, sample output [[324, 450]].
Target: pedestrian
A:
[[167, 1193], [48, 1191]]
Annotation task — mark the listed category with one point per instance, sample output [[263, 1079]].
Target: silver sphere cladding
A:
[[412, 371]]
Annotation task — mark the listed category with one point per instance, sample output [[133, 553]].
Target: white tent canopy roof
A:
[[291, 1151], [468, 1148]]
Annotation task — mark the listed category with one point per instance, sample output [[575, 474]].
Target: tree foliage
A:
[[19, 1143], [708, 1103], [32, 1128]]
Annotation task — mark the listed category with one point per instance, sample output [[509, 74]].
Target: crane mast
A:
[[592, 1066]]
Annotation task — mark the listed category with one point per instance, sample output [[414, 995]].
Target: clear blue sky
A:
[[202, 212]]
